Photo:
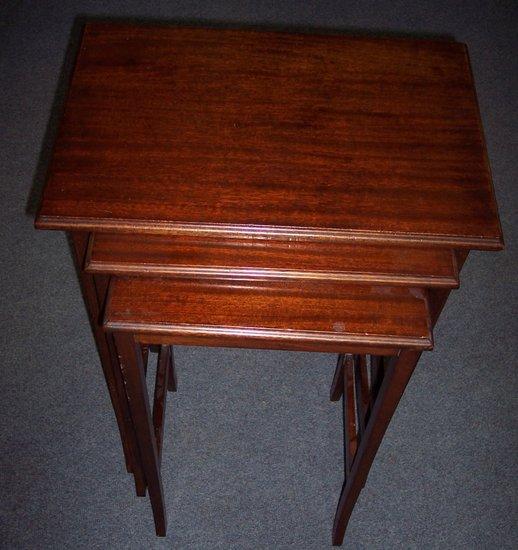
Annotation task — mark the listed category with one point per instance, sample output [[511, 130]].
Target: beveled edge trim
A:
[[88, 254], [286, 345], [424, 343], [104, 225], [237, 273], [222, 272]]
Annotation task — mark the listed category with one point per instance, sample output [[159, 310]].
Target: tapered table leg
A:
[[94, 291], [396, 377], [132, 368], [172, 383], [388, 381], [337, 383], [164, 373], [438, 297]]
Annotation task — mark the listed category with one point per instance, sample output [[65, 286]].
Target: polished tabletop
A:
[[204, 131]]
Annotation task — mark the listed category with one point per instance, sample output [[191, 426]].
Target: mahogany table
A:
[[322, 191]]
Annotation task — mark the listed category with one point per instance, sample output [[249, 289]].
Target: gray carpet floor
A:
[[252, 451]]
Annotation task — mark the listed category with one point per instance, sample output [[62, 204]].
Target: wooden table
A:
[[240, 155]]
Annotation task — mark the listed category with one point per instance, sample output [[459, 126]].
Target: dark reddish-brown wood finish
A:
[[336, 390], [263, 314], [388, 381], [132, 369], [276, 171], [396, 377], [160, 255], [238, 132], [94, 290], [163, 384]]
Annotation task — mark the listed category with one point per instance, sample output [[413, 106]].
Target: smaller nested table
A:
[[270, 190]]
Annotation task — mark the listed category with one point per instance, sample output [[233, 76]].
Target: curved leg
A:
[[397, 375]]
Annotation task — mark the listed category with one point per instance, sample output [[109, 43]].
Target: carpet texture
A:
[[252, 453]]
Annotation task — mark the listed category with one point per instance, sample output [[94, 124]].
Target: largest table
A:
[[293, 142]]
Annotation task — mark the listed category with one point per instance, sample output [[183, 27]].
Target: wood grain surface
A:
[[198, 131], [266, 258], [321, 316]]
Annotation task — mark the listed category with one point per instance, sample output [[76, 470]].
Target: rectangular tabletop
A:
[[190, 130], [124, 254], [316, 315]]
